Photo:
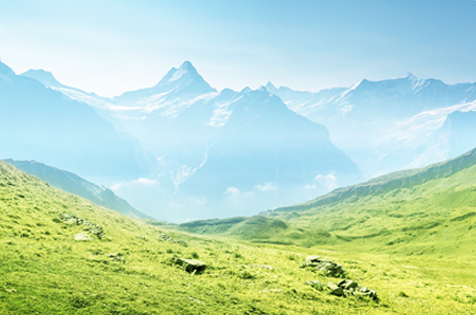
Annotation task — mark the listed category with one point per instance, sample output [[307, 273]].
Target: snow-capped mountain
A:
[[248, 150], [225, 150], [40, 123], [387, 125], [240, 151]]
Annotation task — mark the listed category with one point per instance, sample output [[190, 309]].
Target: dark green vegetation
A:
[[131, 270], [74, 184]]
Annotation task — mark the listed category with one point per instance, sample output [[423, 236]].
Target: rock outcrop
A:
[[190, 265], [325, 266], [91, 227]]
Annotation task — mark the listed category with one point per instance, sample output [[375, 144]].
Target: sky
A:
[[113, 46]]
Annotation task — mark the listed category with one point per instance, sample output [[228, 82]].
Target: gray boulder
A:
[[335, 289], [82, 237], [351, 287], [190, 265], [325, 266]]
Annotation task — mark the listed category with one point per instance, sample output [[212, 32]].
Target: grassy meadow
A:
[[130, 269]]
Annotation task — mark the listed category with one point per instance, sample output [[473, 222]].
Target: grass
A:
[[44, 270], [433, 215]]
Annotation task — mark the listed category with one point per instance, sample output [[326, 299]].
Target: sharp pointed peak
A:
[[269, 84], [186, 66], [410, 76]]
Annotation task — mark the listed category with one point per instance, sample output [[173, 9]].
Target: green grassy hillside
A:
[[74, 184], [128, 267], [424, 211]]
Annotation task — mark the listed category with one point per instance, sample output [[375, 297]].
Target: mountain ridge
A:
[[389, 182], [72, 183]]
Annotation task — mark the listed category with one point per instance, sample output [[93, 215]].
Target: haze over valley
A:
[[181, 150], [237, 157]]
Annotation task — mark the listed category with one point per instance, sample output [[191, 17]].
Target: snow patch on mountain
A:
[[178, 74], [221, 113]]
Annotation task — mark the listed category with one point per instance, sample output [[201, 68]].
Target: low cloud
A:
[[144, 181], [266, 187], [232, 191], [140, 181], [329, 181]]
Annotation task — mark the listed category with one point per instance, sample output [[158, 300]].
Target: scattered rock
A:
[[91, 227], [196, 300], [115, 257], [83, 237], [366, 292], [335, 289], [327, 267], [313, 258], [344, 288], [190, 265], [164, 237], [350, 287]]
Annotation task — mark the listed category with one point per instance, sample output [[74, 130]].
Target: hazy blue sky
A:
[[110, 46]]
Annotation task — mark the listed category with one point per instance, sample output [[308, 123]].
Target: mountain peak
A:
[[45, 77], [184, 81], [270, 87], [185, 70], [187, 65]]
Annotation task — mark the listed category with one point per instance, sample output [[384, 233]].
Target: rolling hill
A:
[[430, 210], [72, 183], [62, 254]]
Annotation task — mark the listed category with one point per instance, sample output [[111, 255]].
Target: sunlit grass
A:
[[44, 270]]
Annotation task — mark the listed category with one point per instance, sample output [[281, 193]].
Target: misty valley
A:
[[183, 199]]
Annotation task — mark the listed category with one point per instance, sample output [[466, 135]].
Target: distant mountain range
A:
[[40, 123], [72, 183], [392, 124], [197, 151], [240, 151]]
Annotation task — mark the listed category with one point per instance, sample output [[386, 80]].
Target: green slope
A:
[[130, 269], [422, 211], [74, 184]]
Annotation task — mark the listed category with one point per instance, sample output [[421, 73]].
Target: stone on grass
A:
[[313, 258], [335, 289], [82, 237], [115, 257], [351, 287], [190, 265], [91, 227], [325, 266], [164, 237]]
